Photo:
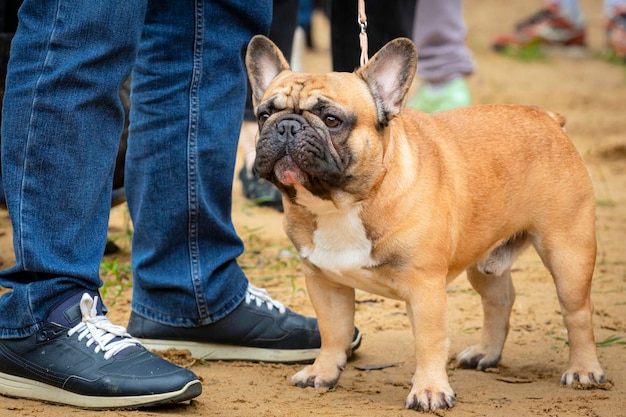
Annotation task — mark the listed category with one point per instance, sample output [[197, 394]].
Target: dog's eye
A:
[[331, 121], [263, 118]]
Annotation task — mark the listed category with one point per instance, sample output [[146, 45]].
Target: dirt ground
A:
[[591, 93]]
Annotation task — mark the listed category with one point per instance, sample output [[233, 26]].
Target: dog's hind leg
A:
[[497, 296], [491, 278], [570, 256]]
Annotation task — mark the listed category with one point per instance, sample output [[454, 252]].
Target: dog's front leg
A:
[[334, 307], [427, 311]]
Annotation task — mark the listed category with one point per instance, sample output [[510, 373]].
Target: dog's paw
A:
[[583, 377], [314, 376], [430, 398], [474, 358]]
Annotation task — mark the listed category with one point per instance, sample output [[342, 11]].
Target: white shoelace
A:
[[99, 330], [260, 296]]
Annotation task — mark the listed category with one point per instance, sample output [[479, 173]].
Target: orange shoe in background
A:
[[547, 26], [616, 34]]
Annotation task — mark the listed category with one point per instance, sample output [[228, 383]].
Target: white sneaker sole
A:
[[217, 352], [18, 387]]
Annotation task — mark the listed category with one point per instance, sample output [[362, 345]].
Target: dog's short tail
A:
[[555, 116]]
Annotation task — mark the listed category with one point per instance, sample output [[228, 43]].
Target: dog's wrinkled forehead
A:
[[299, 92]]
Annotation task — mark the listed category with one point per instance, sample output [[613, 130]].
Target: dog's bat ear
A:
[[389, 74], [264, 62]]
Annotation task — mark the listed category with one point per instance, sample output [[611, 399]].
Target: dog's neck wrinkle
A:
[[398, 149]]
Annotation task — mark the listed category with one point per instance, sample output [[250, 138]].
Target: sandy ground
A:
[[590, 92]]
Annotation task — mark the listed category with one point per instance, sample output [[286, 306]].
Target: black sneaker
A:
[[260, 329], [79, 358]]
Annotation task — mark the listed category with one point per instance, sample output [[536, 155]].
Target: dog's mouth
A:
[[287, 172]]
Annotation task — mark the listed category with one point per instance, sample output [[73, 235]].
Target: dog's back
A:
[[506, 163]]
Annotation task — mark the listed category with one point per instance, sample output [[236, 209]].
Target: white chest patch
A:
[[340, 242]]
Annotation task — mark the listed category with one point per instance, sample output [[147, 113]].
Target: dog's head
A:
[[325, 133]]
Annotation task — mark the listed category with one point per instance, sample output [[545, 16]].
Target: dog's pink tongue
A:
[[288, 172]]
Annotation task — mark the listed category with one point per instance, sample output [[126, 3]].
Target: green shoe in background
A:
[[432, 98]]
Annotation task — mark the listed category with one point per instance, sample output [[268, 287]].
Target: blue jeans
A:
[[61, 123]]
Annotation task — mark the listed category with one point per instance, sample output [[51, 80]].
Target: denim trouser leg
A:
[[61, 125], [188, 93]]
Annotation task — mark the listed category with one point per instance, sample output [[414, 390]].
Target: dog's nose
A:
[[288, 128]]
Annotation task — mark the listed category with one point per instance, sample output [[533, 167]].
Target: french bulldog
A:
[[398, 202]]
